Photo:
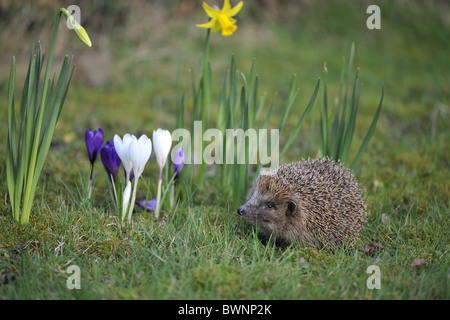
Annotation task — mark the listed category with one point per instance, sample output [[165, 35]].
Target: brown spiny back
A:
[[329, 199]]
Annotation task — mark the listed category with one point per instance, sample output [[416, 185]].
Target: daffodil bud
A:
[[77, 28]]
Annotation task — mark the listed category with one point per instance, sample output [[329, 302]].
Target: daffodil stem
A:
[[158, 195], [205, 62], [205, 85], [206, 94]]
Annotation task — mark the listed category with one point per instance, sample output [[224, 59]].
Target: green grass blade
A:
[[334, 119], [290, 101], [324, 116], [369, 133], [194, 94], [252, 104], [261, 103], [266, 120], [222, 104], [54, 107], [179, 101], [301, 120], [206, 105], [251, 78], [53, 103], [11, 144], [334, 138], [344, 118], [233, 99], [349, 125], [25, 134]]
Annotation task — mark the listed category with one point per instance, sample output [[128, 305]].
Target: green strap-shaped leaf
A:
[[369, 133], [301, 120]]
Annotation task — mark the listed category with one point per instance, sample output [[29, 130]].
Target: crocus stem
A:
[[158, 195], [116, 201], [172, 196], [133, 198], [89, 188], [125, 202]]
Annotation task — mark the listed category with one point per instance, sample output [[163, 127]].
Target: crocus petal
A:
[[150, 205], [123, 151], [162, 141], [126, 199], [178, 162], [94, 142], [140, 151], [110, 159]]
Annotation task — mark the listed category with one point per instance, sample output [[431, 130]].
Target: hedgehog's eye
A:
[[270, 205]]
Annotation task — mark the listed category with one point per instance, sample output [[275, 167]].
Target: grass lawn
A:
[[201, 249]]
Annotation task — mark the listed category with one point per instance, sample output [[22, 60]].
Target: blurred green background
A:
[[127, 81]]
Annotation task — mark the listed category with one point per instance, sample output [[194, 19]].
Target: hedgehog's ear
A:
[[291, 208]]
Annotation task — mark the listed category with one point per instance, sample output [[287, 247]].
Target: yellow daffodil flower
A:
[[221, 19]]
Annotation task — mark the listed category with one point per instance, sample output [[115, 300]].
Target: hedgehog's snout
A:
[[241, 211]]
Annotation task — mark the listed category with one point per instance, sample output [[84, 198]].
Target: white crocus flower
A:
[[162, 142], [139, 151], [126, 199], [122, 147], [134, 154]]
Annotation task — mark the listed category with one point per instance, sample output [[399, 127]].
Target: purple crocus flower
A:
[[150, 205], [178, 162], [110, 159], [94, 142]]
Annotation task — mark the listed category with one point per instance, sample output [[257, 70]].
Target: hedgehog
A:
[[315, 202]]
